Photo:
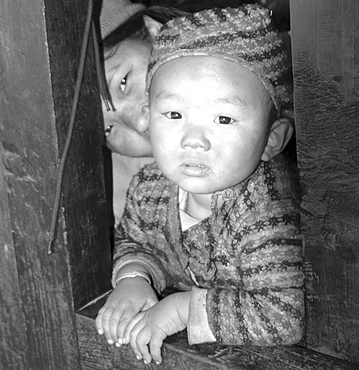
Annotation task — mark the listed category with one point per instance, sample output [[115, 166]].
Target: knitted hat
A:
[[244, 35], [116, 12]]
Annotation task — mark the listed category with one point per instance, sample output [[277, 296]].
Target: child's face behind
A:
[[126, 75], [208, 122]]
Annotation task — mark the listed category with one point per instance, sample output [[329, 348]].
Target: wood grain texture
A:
[[84, 199], [40, 46], [96, 354], [325, 42], [13, 348], [30, 157]]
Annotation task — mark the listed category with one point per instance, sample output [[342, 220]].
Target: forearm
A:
[[141, 261], [182, 304], [133, 252], [132, 267], [264, 318], [264, 307], [132, 270], [130, 255]]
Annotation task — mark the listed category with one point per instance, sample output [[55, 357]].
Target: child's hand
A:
[[151, 327], [128, 298]]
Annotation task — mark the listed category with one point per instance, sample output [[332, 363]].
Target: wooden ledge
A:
[[177, 354]]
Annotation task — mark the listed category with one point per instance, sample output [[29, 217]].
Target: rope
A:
[[62, 164]]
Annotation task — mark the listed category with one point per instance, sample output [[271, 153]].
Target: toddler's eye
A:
[[173, 115], [223, 120], [123, 84]]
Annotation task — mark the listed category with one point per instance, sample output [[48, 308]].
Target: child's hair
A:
[[134, 27], [244, 35]]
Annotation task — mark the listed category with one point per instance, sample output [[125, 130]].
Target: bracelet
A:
[[132, 275]]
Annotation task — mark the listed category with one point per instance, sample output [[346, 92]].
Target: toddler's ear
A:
[[152, 25], [279, 136]]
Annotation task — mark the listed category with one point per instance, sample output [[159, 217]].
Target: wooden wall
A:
[[40, 51], [325, 44], [40, 43]]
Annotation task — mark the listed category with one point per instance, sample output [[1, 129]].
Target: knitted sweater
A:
[[243, 263]]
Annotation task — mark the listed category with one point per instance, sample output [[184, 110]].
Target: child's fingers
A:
[[143, 338], [155, 348], [135, 326], [98, 321], [140, 337], [128, 315], [114, 322], [102, 323], [129, 329]]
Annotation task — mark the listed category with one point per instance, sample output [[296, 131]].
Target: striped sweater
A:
[[242, 263]]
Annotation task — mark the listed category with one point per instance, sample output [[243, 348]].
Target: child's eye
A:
[[173, 115], [123, 84], [223, 120]]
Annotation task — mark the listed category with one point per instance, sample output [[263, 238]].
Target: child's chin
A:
[[197, 189]]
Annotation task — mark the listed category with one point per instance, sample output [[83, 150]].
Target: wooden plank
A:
[[40, 43], [325, 44], [30, 157], [13, 349], [84, 195], [96, 354]]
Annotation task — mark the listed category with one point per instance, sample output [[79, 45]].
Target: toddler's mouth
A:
[[194, 165], [195, 169]]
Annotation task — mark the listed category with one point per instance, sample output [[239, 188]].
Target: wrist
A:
[[127, 275], [183, 299]]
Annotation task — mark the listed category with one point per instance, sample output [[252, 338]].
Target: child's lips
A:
[[194, 168]]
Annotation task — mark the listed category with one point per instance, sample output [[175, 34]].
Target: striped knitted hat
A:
[[116, 12], [244, 35]]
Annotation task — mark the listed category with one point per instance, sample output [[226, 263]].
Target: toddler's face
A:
[[125, 75], [208, 122]]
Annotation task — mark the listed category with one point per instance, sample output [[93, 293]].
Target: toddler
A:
[[217, 215]]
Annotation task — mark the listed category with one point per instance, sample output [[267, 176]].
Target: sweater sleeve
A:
[[132, 242], [198, 329], [257, 296], [266, 306]]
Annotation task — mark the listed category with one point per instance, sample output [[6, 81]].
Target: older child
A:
[[128, 31], [217, 215]]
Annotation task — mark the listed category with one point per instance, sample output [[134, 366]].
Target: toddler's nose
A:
[[195, 139]]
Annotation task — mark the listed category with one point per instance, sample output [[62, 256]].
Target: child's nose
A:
[[195, 138], [140, 123]]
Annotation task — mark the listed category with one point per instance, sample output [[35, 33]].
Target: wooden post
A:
[[325, 41], [40, 51]]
